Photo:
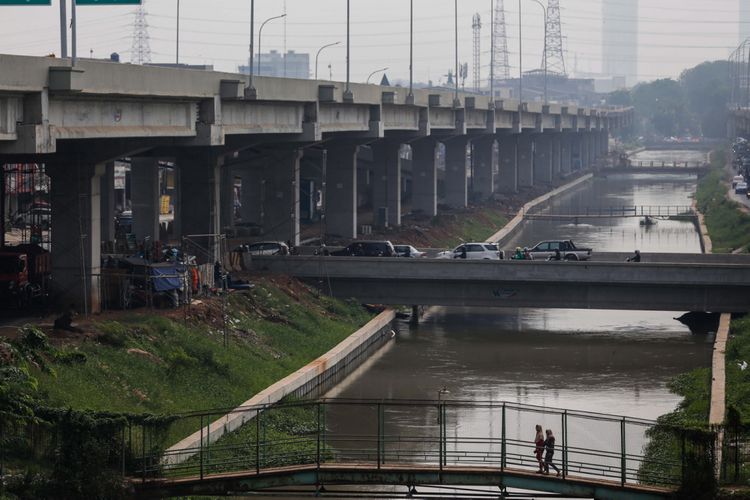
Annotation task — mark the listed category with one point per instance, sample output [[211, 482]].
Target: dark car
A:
[[367, 249]]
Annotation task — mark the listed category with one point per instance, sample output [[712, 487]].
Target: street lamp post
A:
[[410, 97], [348, 97], [250, 62], [177, 42], [260, 36], [376, 71], [520, 57], [456, 102], [318, 54], [544, 57]]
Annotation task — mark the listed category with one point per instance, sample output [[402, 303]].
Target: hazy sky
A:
[[673, 34]]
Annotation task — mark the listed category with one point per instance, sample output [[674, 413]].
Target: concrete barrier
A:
[[300, 383], [511, 227]]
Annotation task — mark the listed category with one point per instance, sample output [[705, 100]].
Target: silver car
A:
[[473, 251]]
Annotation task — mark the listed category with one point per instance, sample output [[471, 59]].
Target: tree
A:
[[707, 93], [661, 108]]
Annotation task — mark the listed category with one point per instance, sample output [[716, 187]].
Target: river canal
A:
[[615, 362]]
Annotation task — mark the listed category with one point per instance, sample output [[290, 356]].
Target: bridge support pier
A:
[[144, 194], [556, 155], [484, 160], [604, 142], [281, 196], [543, 159], [198, 209], [507, 176], [76, 247], [424, 176], [593, 142], [386, 180], [227, 198], [341, 190], [107, 199], [525, 160], [456, 178], [566, 154]]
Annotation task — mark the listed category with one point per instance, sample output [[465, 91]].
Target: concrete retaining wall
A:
[[502, 236], [300, 383]]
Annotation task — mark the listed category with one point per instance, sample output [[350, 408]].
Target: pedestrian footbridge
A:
[[397, 448]]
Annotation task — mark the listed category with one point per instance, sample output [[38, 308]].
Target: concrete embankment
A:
[[502, 236], [307, 380]]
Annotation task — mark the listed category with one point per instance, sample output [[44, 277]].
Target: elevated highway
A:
[[666, 283]]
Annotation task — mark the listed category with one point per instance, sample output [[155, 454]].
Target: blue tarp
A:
[[167, 278]]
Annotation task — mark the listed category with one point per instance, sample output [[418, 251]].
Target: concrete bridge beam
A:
[[144, 181], [76, 217], [386, 179], [525, 160], [507, 176], [424, 176], [485, 166], [456, 172], [341, 190]]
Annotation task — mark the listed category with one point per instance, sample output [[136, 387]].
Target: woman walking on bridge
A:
[[539, 448], [549, 446]]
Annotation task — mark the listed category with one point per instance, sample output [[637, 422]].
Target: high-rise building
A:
[[620, 39], [289, 65], [744, 20]]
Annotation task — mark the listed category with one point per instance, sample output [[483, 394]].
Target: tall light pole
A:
[[544, 57], [250, 62], [177, 43], [376, 71], [318, 54], [260, 37], [520, 57], [410, 97], [456, 102], [347, 91]]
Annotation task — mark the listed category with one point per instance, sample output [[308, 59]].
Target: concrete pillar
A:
[[424, 176], [585, 151], [566, 154], [176, 202], [251, 194], [341, 190], [484, 158], [198, 209], [593, 139], [76, 240], [144, 196], [604, 142], [227, 198], [507, 175], [456, 172], [107, 199], [386, 179], [543, 159], [525, 160], [281, 196], [556, 155]]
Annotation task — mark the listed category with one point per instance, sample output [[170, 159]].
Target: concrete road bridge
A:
[[448, 454], [669, 282], [286, 140]]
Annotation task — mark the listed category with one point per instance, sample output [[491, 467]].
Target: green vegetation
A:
[[728, 226], [694, 104], [65, 406], [478, 227]]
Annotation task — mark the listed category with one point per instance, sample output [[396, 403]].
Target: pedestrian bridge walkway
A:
[[431, 448]]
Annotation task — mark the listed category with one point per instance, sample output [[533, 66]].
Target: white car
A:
[[736, 180], [264, 248], [407, 251], [473, 251]]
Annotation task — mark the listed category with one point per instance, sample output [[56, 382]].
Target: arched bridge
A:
[[668, 282], [436, 448]]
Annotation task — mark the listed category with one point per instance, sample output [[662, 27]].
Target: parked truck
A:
[[566, 248], [24, 272]]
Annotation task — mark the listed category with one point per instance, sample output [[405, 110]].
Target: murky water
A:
[[616, 362]]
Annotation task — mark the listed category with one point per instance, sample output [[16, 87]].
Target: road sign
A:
[[108, 2], [25, 2]]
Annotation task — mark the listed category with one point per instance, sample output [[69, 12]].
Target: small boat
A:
[[647, 221]]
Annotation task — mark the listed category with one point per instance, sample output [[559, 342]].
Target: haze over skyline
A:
[[672, 36]]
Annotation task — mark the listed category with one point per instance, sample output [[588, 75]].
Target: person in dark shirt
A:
[[636, 257], [549, 448]]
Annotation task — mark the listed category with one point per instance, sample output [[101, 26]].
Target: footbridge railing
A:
[[430, 442], [653, 211]]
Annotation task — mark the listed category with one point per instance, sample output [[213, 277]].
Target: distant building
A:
[[744, 20], [620, 39], [289, 65]]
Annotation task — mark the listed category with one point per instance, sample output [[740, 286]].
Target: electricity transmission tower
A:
[[500, 37], [476, 26], [554, 55], [140, 50]]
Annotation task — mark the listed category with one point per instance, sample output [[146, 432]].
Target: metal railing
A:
[[618, 211], [433, 434]]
